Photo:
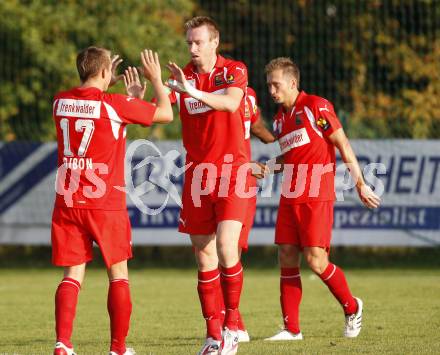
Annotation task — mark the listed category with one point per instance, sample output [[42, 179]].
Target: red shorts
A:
[[249, 221], [305, 224], [201, 214], [74, 230]]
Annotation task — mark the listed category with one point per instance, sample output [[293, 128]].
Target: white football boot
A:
[[211, 347], [353, 322], [243, 336], [230, 342], [61, 349], [128, 351], [285, 335]]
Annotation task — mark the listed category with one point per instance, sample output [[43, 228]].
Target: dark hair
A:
[[91, 60], [199, 21], [287, 65]]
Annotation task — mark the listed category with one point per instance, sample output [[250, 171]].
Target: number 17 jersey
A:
[[91, 130]]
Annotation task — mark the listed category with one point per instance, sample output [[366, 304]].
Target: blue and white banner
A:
[[406, 172]]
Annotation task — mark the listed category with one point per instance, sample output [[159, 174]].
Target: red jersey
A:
[[207, 134], [250, 114], [302, 135], [91, 130]]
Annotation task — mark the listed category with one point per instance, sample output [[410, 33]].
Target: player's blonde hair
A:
[[287, 65], [91, 60], [199, 21]]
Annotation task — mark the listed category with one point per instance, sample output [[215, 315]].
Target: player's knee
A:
[[316, 263], [206, 259], [288, 256], [228, 255]]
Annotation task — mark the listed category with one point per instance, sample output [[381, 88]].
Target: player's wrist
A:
[[192, 91]]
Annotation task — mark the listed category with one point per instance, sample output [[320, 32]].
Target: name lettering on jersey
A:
[[78, 163], [194, 106], [294, 139], [79, 108]]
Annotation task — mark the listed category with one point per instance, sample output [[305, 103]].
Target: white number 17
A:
[[88, 126]]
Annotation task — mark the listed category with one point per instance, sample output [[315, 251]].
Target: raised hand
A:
[[368, 197], [133, 84], [115, 63], [179, 83], [151, 65]]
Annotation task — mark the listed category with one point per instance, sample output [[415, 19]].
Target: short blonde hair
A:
[[91, 60], [200, 21], [287, 65]]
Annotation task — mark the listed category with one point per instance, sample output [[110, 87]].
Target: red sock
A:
[[208, 288], [232, 282], [335, 280], [221, 305], [66, 299], [119, 309], [291, 293]]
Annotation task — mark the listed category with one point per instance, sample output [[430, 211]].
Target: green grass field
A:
[[401, 316]]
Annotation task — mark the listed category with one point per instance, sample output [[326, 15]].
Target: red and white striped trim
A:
[[210, 280], [226, 275], [290, 276], [331, 274], [70, 282]]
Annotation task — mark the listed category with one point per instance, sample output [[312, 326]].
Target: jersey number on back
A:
[[88, 126]]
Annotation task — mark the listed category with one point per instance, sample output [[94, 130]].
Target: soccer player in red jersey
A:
[[209, 91], [90, 204], [308, 131], [253, 124]]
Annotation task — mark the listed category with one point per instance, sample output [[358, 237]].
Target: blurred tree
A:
[[40, 40], [376, 60]]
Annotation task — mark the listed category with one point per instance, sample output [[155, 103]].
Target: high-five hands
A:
[[115, 63], [133, 84], [151, 65]]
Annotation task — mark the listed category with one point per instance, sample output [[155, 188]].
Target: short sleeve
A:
[[254, 109], [236, 76], [129, 110], [326, 118]]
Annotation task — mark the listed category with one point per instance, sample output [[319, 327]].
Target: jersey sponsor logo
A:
[[323, 123], [294, 139], [79, 108], [218, 80], [194, 106], [230, 79]]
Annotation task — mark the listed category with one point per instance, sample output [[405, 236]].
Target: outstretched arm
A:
[[366, 195], [229, 101], [152, 71]]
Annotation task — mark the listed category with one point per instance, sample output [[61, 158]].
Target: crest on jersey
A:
[[218, 80], [230, 78], [323, 123]]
